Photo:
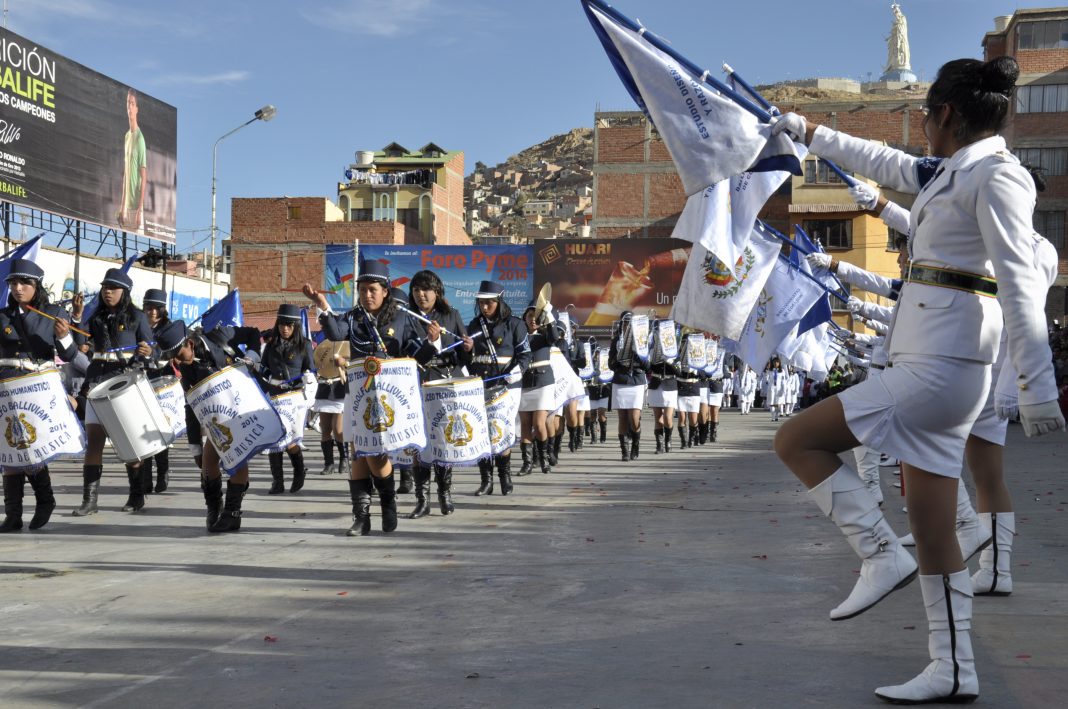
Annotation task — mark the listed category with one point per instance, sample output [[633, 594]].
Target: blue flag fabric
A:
[[93, 304], [226, 312], [27, 250], [305, 327]]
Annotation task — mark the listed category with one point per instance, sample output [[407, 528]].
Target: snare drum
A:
[[456, 423], [37, 421], [130, 413], [383, 407]]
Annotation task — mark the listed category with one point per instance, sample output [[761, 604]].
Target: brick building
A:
[[1038, 126], [279, 243]]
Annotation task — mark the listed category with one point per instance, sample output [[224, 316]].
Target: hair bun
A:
[[999, 75]]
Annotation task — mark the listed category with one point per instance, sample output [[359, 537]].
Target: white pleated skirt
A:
[[660, 399], [920, 410], [541, 399], [715, 398], [628, 396]]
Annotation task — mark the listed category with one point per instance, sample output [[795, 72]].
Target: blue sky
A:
[[489, 77]]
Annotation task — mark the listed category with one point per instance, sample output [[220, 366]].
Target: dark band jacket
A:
[[30, 337], [509, 341]]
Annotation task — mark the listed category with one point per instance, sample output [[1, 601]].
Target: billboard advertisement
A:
[[602, 278], [461, 269], [339, 260], [79, 144]]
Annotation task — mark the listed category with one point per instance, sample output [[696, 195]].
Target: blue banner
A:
[[462, 269], [339, 260], [187, 307]]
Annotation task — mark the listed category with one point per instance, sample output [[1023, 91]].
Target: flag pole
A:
[[702, 75], [730, 72], [838, 171]]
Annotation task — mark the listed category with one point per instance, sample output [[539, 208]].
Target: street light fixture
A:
[[264, 114]]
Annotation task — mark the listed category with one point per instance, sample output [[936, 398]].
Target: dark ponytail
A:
[[979, 93]]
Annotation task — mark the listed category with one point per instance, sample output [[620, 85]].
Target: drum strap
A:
[[20, 327], [488, 339]]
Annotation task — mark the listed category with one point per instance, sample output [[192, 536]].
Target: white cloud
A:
[[225, 77], [380, 18]]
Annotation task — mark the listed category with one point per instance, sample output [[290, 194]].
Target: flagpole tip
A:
[[727, 68]]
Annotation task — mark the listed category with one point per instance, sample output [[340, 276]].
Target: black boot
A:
[[422, 492], [541, 454], [693, 437], [230, 519], [504, 471], [443, 481], [702, 433], [667, 440], [589, 430], [624, 446], [713, 432], [485, 471], [327, 447], [213, 499], [658, 434], [552, 449], [135, 502], [683, 438], [278, 484], [526, 449], [90, 490], [635, 438], [604, 431], [387, 501], [147, 476], [406, 482], [41, 482], [344, 462], [14, 490], [578, 438], [360, 490], [572, 444], [163, 470], [299, 471]]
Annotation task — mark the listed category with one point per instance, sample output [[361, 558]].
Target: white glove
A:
[[864, 195], [546, 316], [792, 124], [1007, 407], [1039, 419], [309, 379], [819, 261], [854, 304]]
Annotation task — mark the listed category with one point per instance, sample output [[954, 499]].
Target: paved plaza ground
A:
[[702, 578]]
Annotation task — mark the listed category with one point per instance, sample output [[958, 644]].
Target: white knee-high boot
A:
[[868, 469], [950, 678], [994, 577], [973, 533], [886, 566]]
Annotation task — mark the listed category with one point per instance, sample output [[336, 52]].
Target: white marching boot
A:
[[973, 534], [868, 469], [994, 577], [950, 678], [886, 566]]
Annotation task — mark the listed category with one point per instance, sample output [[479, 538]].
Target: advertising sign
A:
[[461, 269], [339, 260], [602, 278], [76, 143]]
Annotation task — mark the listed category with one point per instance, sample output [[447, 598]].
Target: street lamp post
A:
[[264, 114]]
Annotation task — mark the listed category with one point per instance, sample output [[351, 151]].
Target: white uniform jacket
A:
[[974, 215]]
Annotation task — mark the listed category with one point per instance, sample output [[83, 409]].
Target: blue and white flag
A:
[[709, 136], [786, 297], [27, 250], [816, 353], [227, 311], [718, 298]]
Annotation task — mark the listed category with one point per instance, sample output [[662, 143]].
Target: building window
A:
[[1053, 161], [409, 218], [832, 233], [1051, 226], [840, 306], [293, 212], [1046, 98], [1050, 34], [892, 236], [817, 173], [360, 215]]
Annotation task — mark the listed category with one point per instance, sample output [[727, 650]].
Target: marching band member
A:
[[969, 223], [502, 349], [689, 397], [29, 342], [286, 365], [776, 389], [703, 415], [599, 390], [716, 388], [574, 410], [538, 396], [118, 332], [330, 359], [155, 307], [728, 388], [439, 360], [406, 483], [628, 390], [374, 328], [663, 395], [198, 356], [747, 386]]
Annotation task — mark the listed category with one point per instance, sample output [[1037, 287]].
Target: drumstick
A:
[[460, 342], [53, 317], [128, 347], [428, 321]]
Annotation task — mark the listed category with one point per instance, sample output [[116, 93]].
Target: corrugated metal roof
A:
[[823, 208]]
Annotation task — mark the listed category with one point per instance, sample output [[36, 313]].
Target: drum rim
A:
[[131, 376], [452, 381]]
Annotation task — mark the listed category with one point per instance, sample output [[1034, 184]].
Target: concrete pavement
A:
[[702, 578]]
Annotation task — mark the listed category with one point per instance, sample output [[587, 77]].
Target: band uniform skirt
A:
[[542, 398], [628, 396], [689, 404], [329, 398], [661, 399], [920, 410]]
